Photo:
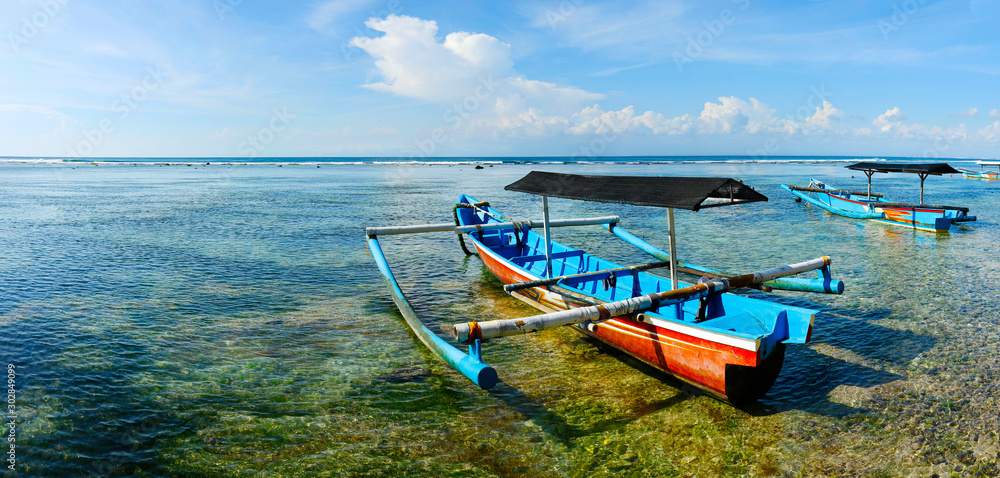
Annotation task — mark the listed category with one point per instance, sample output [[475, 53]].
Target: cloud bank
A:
[[473, 76]]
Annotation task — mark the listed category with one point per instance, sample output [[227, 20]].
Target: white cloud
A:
[[995, 113], [594, 120], [465, 67], [726, 116], [473, 75], [969, 113], [991, 133], [730, 116], [888, 120], [734, 115], [825, 118], [530, 122], [893, 124], [412, 62]]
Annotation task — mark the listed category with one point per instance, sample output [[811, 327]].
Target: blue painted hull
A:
[[917, 216], [992, 175]]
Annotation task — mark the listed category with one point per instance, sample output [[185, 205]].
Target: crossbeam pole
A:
[[451, 227], [500, 328]]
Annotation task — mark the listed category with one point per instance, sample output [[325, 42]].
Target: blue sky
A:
[[474, 78]]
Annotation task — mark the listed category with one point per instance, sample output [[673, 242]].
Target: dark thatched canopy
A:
[[676, 192]]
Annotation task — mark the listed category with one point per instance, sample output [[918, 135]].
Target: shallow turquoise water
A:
[[227, 320]]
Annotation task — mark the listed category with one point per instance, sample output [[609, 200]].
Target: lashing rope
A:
[[520, 232], [461, 240]]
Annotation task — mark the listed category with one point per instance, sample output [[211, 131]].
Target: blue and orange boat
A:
[[875, 207], [730, 346], [982, 173]]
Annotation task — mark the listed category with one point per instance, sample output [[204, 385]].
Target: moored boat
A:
[[982, 173], [730, 346], [876, 207]]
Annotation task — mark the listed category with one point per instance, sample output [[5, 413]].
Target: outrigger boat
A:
[[730, 346], [982, 173], [874, 206]]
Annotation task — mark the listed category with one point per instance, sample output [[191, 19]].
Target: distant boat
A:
[[982, 173], [730, 346], [875, 207]]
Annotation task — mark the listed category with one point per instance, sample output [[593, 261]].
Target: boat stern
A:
[[745, 384]]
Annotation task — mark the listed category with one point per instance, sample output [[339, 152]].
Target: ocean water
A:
[[178, 318]]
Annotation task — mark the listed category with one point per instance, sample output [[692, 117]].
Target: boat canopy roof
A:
[[988, 163], [691, 193], [916, 168]]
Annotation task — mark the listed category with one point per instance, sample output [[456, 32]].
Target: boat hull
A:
[[726, 372], [734, 368], [920, 217], [981, 175]]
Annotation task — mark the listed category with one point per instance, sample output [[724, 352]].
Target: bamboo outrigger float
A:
[[730, 346], [873, 206], [982, 173]]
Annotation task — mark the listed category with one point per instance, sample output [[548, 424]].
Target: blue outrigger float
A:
[[875, 207], [730, 346]]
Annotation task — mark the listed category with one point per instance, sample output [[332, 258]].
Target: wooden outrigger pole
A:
[[450, 227], [481, 331]]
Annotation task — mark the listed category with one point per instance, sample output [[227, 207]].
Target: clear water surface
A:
[[192, 319]]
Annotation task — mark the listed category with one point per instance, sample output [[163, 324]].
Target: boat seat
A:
[[521, 260], [491, 238]]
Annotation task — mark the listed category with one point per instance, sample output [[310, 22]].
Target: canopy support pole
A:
[[869, 173], [548, 236], [673, 247], [922, 178], [672, 232]]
